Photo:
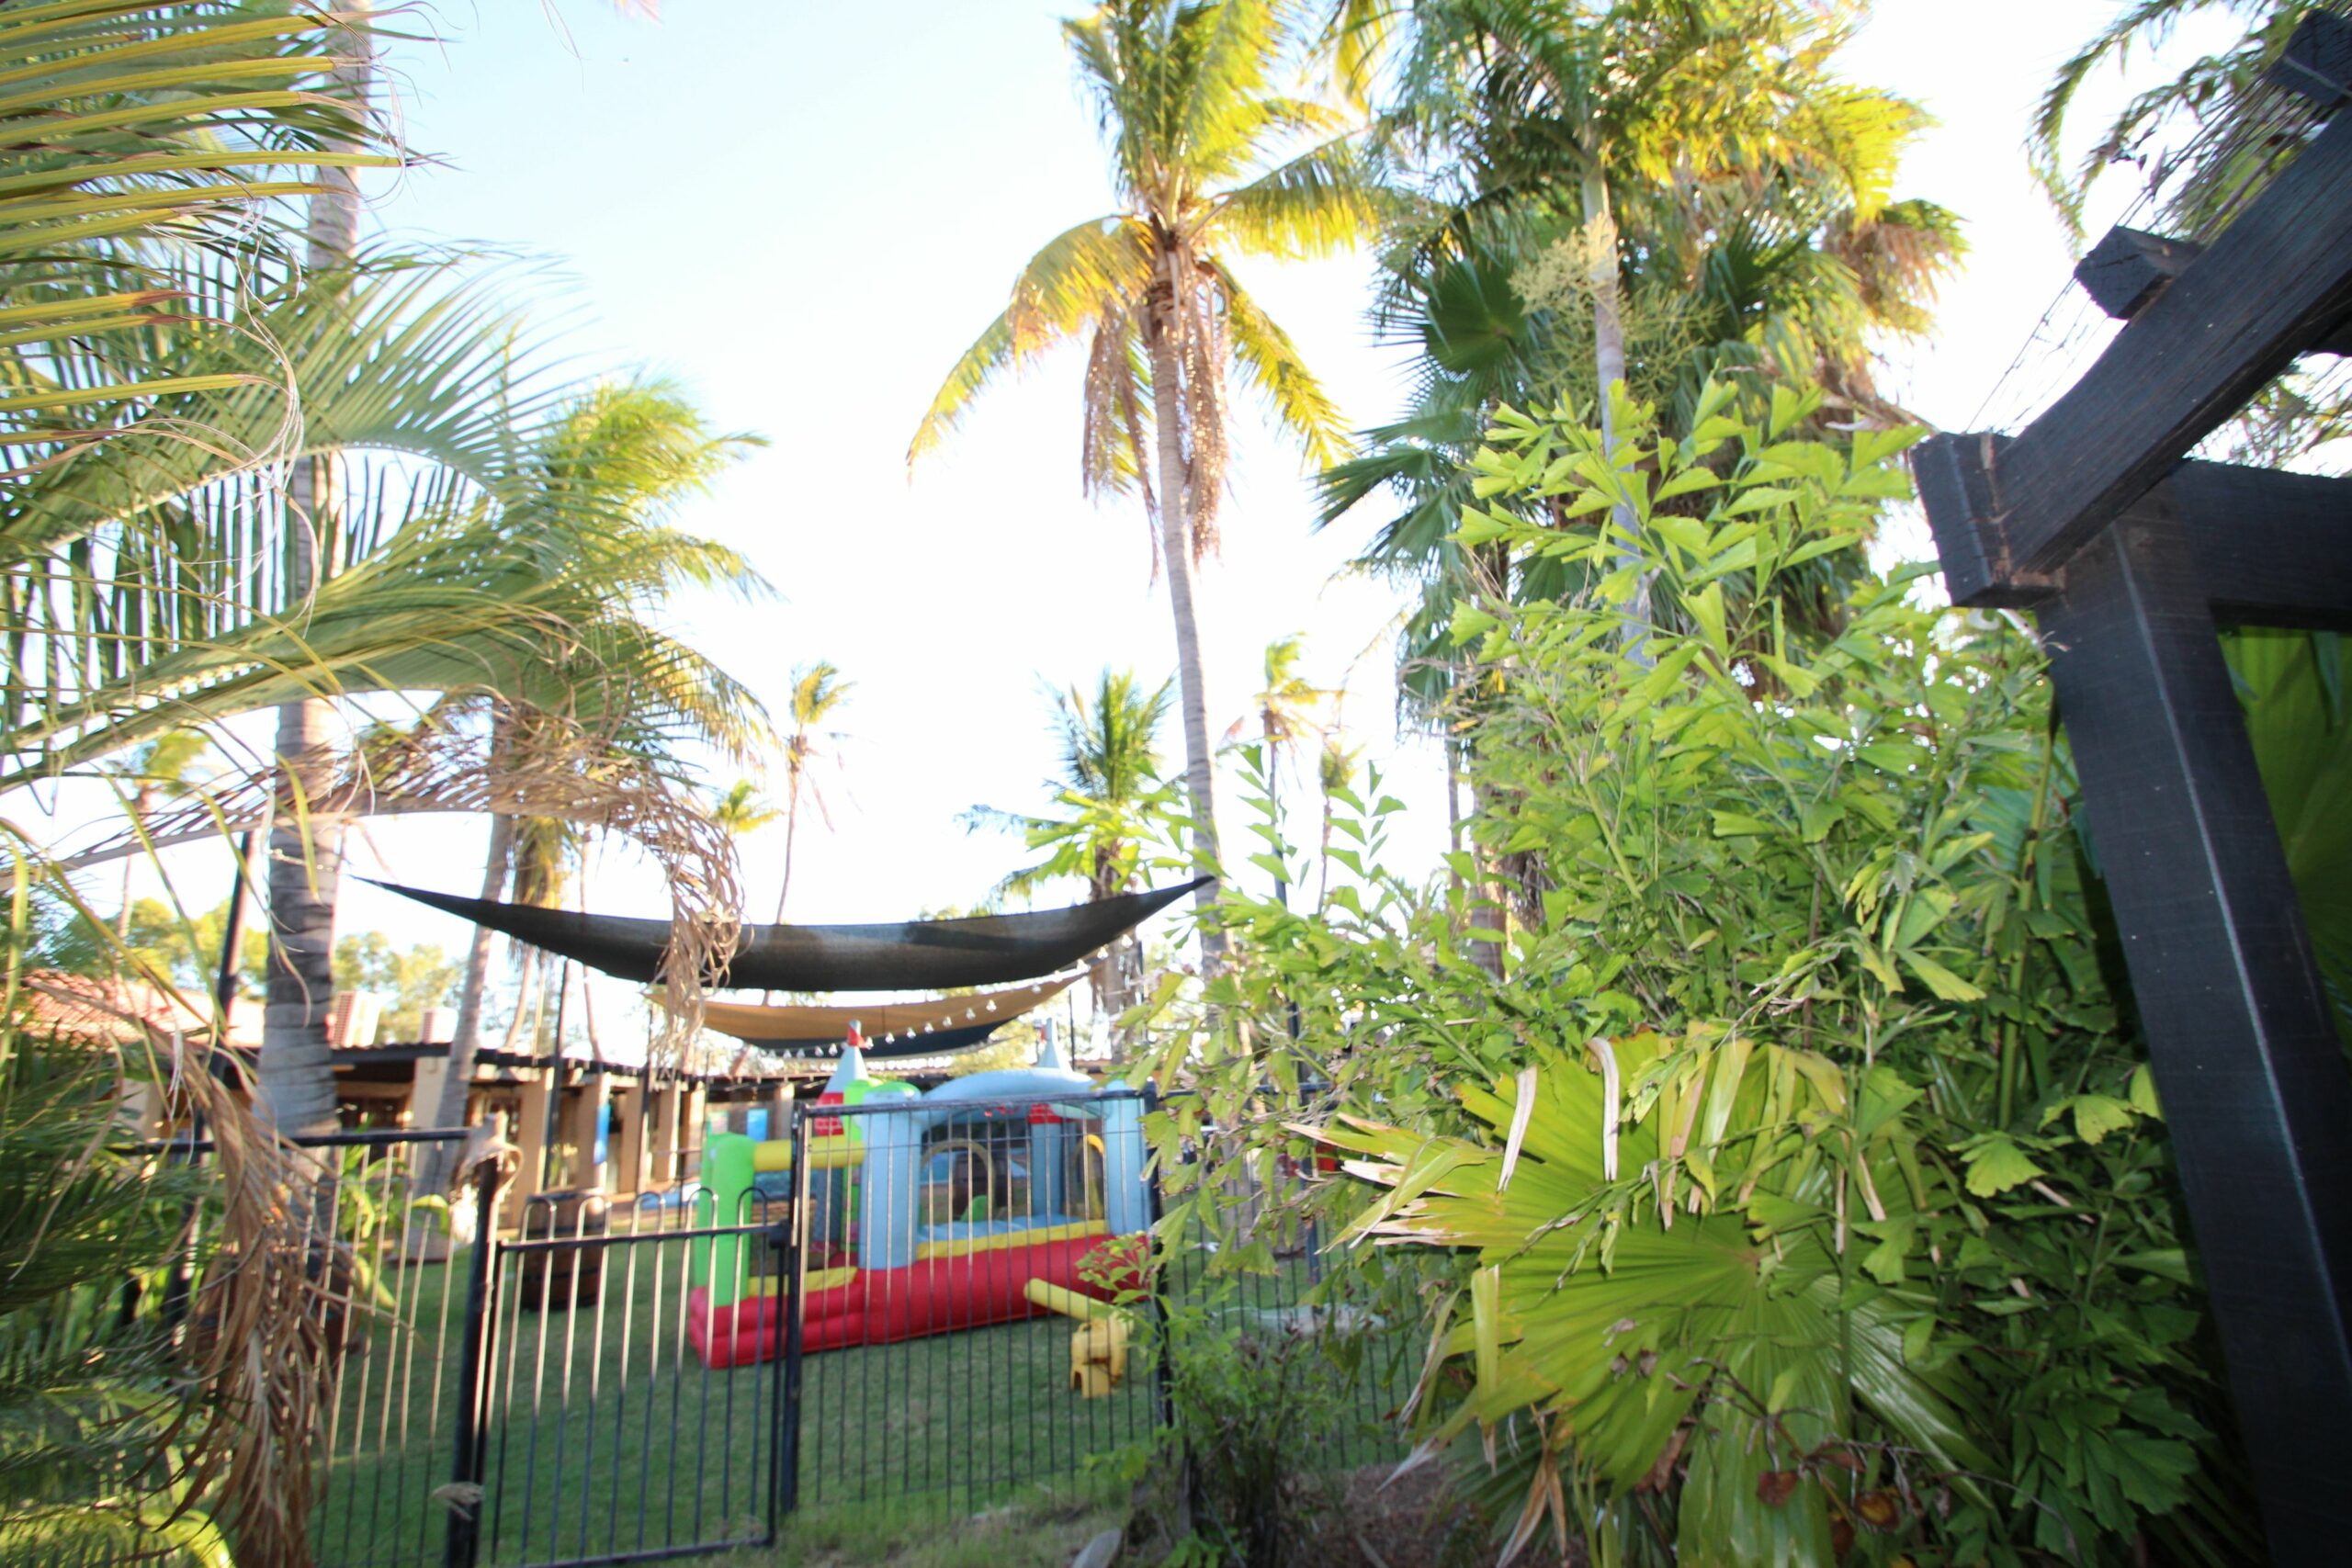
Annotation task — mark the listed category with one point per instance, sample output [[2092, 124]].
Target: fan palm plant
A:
[[1212, 165]]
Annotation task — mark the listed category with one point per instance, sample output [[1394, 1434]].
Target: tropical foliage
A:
[[816, 690], [176, 550], [1656, 194], [1805, 1185], [411, 979]]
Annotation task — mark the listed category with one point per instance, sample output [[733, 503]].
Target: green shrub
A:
[[1803, 1194]]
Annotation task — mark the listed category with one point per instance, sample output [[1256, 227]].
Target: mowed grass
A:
[[605, 1434]]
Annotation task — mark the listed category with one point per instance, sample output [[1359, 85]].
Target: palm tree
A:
[[1112, 802], [1183, 94], [631, 453], [295, 1086], [134, 128], [741, 812], [1776, 257], [1592, 119], [816, 690]]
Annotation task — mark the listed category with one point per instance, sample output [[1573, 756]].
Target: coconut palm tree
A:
[[133, 127], [631, 453], [1777, 256], [816, 690], [305, 864], [1336, 768], [741, 812], [1591, 124], [1212, 166], [1111, 804]]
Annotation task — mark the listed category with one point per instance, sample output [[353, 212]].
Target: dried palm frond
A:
[[542, 766]]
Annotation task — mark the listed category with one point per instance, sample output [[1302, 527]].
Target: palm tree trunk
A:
[[1176, 504], [1608, 367], [526, 997], [449, 1109], [306, 846], [791, 828], [297, 1072]]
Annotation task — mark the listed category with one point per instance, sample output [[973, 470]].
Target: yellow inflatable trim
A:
[[824, 1154], [1066, 1301], [996, 1241], [820, 1279]]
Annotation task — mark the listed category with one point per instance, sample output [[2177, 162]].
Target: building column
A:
[[693, 1130], [531, 1139], [424, 1093], [662, 1134], [582, 1113], [625, 1176]]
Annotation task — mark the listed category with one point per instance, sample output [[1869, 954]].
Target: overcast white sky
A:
[[802, 211]]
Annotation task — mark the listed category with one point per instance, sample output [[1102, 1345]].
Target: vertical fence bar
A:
[[1157, 1270], [475, 1356], [795, 1267]]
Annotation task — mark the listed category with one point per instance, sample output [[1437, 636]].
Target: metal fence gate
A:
[[601, 1433], [877, 1305]]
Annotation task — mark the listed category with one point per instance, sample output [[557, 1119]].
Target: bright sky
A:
[[804, 211]]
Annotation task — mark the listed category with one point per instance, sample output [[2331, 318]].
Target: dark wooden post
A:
[[2091, 518], [2244, 1050]]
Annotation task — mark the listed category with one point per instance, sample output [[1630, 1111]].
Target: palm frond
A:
[[1274, 368]]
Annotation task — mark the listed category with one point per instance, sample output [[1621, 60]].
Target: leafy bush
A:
[[1808, 1195]]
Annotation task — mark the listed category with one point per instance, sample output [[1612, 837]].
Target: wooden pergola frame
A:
[[2131, 558]]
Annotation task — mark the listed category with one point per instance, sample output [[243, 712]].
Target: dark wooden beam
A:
[[1954, 475], [2267, 547], [2275, 283], [2128, 268], [2317, 61], [2253, 1083]]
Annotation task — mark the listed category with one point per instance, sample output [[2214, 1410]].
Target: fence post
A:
[[787, 1495], [476, 1355], [1158, 1274]]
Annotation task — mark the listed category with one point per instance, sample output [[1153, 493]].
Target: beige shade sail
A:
[[920, 1024]]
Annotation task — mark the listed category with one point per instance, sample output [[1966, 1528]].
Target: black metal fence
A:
[[987, 1312], [903, 1297], [606, 1434]]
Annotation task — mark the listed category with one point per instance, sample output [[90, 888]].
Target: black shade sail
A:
[[905, 955]]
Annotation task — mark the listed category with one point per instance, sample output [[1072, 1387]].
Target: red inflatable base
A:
[[882, 1306]]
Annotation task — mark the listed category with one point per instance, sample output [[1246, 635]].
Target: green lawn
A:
[[608, 1434]]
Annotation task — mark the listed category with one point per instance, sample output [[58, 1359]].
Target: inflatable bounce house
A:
[[998, 1196], [980, 1203]]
